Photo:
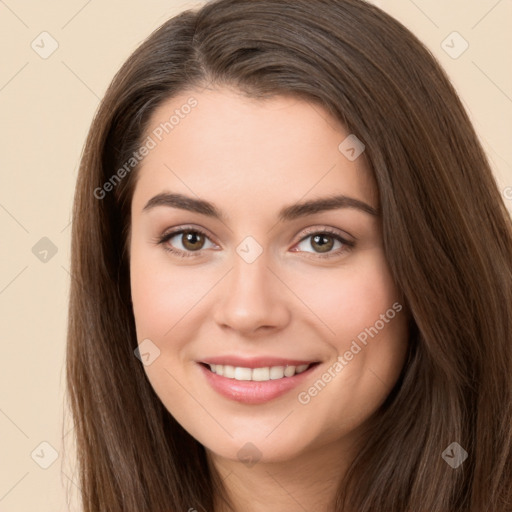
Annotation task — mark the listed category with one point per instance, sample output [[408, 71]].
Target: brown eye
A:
[[322, 242], [186, 242], [192, 240]]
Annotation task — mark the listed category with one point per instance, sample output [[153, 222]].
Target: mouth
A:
[[257, 384], [258, 374]]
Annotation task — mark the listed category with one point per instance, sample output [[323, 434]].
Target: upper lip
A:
[[255, 362]]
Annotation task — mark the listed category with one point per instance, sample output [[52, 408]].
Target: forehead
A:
[[220, 144]]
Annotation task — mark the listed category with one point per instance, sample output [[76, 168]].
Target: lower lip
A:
[[254, 392]]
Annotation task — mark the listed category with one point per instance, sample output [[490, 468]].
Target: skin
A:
[[250, 158]]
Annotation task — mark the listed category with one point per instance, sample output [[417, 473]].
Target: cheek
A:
[[161, 294], [161, 297], [368, 335], [350, 299], [365, 326], [150, 310]]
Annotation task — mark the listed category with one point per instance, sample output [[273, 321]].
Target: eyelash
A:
[[348, 245]]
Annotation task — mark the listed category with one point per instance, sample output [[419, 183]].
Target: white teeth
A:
[[289, 371], [243, 373], [276, 372], [257, 374], [260, 374], [229, 371]]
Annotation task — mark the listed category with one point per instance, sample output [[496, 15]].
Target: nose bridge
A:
[[250, 277], [250, 297]]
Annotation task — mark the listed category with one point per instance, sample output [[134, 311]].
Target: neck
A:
[[307, 482]]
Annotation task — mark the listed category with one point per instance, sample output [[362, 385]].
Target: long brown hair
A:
[[447, 238]]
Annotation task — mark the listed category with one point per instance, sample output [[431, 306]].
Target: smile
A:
[[253, 383], [257, 374]]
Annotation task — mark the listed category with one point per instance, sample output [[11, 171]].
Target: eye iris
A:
[[190, 238], [325, 242]]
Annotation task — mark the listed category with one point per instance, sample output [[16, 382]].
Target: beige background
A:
[[47, 106]]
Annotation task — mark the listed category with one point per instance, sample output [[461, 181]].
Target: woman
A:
[[292, 274]]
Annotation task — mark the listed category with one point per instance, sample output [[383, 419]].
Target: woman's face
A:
[[244, 254]]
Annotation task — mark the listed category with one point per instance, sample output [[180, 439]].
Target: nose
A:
[[252, 298]]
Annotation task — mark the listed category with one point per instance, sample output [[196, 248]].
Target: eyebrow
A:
[[288, 213]]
